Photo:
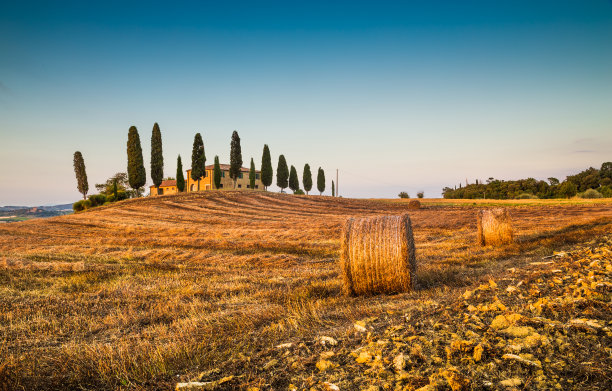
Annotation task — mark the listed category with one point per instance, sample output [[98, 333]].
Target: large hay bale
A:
[[378, 255], [494, 227], [414, 204]]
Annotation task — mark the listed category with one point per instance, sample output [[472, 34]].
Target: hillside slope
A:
[[137, 293]]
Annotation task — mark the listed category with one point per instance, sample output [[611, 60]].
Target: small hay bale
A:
[[414, 204], [377, 255], [494, 227]]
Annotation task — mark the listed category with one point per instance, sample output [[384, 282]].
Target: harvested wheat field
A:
[[242, 290]]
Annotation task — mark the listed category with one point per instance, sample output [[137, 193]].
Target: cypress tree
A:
[[282, 173], [252, 175], [307, 178], [198, 159], [266, 168], [333, 189], [115, 190], [321, 181], [294, 182], [180, 179], [235, 158], [81, 175], [217, 173], [157, 157], [137, 176]]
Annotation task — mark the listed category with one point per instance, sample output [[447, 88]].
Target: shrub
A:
[[526, 196], [97, 199], [299, 191], [403, 194], [81, 205], [590, 193], [606, 191], [122, 195], [420, 194]]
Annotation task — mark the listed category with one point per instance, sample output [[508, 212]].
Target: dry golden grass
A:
[[377, 255], [143, 293]]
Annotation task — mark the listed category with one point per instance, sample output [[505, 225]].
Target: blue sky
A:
[[413, 95]]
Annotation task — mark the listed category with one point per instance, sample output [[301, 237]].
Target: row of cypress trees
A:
[[136, 173]]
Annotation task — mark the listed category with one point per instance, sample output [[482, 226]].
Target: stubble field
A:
[[150, 292]]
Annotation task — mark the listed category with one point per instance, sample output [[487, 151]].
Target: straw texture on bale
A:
[[494, 227], [414, 204], [378, 255]]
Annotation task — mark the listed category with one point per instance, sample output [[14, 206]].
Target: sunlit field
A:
[[146, 293]]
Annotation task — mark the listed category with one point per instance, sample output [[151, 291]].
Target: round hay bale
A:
[[494, 227], [414, 204], [378, 255]]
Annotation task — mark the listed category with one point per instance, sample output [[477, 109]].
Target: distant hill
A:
[[9, 214]]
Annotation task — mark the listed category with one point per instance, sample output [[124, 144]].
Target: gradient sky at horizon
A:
[[413, 95]]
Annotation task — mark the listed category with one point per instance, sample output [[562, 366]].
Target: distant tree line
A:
[[590, 183], [130, 184]]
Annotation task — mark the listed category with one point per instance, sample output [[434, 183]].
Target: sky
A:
[[396, 96]]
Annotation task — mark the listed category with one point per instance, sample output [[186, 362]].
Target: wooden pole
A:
[[337, 187]]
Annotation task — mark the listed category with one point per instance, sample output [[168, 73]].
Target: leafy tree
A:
[[107, 187], [420, 194], [553, 181], [217, 173], [180, 178], [294, 182], [235, 158], [606, 170], [403, 194], [198, 159], [266, 168], [157, 157], [568, 189], [121, 182], [137, 176], [81, 175], [252, 175], [321, 181], [333, 189], [587, 179], [307, 178], [282, 173]]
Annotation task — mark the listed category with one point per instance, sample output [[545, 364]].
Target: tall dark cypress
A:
[[217, 173], [294, 182], [180, 178], [282, 173], [307, 178], [266, 168], [333, 189], [157, 157], [235, 158], [198, 159], [252, 175], [115, 190], [321, 181], [81, 175], [137, 176]]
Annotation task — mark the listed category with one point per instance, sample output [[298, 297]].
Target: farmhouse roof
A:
[[167, 183]]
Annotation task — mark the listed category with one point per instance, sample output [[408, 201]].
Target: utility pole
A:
[[337, 194]]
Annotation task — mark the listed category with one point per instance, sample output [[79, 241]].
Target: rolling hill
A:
[[146, 292]]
